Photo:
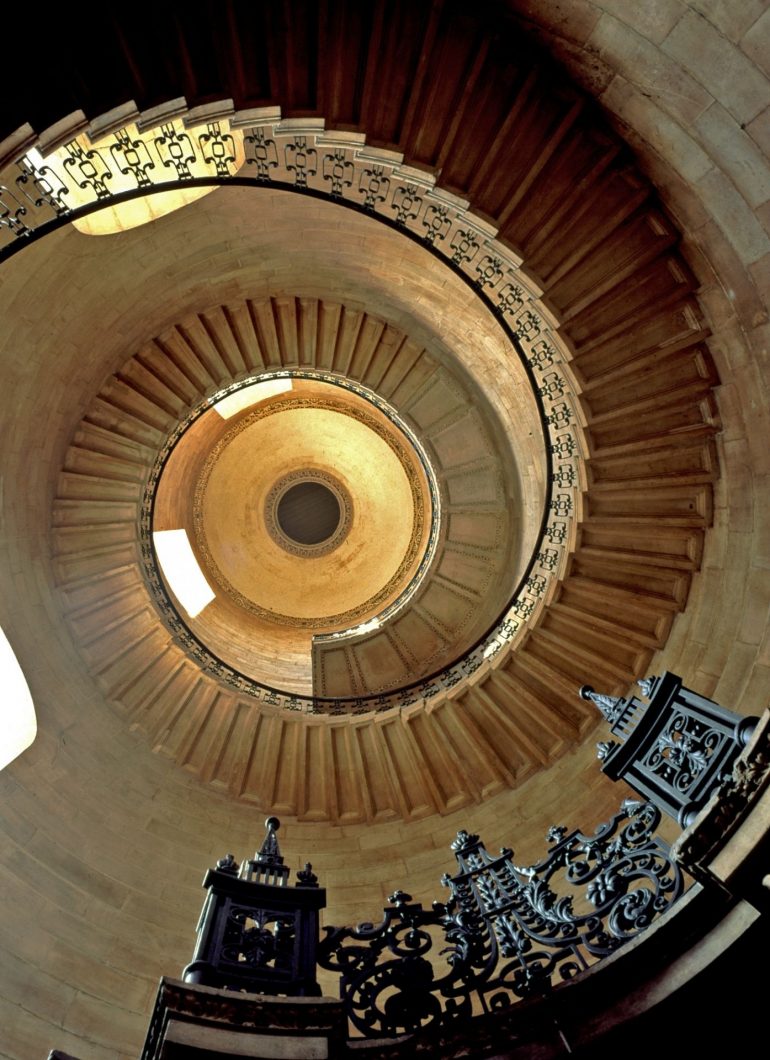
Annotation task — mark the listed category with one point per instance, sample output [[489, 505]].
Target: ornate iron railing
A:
[[675, 749], [159, 153], [506, 932]]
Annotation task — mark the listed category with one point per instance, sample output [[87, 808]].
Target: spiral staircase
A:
[[467, 99], [640, 372]]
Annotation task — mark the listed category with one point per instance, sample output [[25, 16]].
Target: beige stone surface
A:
[[732, 78], [733, 20], [104, 841]]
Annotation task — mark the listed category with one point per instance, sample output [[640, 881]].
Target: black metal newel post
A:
[[256, 932], [675, 749]]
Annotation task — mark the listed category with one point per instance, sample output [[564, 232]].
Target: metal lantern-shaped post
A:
[[674, 749], [256, 932]]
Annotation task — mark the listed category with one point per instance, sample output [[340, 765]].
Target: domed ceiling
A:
[[309, 513]]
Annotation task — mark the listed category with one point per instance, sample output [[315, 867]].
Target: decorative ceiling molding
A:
[[279, 533], [419, 518]]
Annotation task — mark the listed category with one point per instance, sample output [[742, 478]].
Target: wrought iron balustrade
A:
[[676, 749], [506, 932], [256, 932]]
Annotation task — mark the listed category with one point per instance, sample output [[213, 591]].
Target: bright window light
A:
[[35, 158], [181, 571], [113, 165], [251, 395], [19, 725]]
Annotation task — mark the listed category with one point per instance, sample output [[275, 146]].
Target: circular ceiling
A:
[[309, 510]]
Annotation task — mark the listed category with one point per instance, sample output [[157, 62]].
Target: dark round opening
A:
[[308, 513]]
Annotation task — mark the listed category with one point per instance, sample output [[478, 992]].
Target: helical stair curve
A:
[[597, 244]]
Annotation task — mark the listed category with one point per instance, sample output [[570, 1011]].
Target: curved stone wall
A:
[[105, 842], [687, 86]]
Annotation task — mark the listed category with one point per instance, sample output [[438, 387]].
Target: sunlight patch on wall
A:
[[251, 395], [181, 571], [19, 724], [81, 171]]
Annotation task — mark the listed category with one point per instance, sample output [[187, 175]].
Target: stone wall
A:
[[104, 842], [687, 86]]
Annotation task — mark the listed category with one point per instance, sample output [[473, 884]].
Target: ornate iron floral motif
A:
[[301, 160], [510, 298], [537, 584], [561, 504], [464, 246], [553, 386], [506, 931], [528, 325], [436, 223], [217, 149], [543, 355], [560, 416], [556, 533], [256, 938], [564, 446], [255, 932], [682, 751], [548, 558], [646, 685], [88, 169], [603, 748], [674, 750], [131, 155], [374, 186], [489, 271], [264, 154], [49, 189], [749, 776], [12, 210], [564, 476], [407, 202], [176, 151]]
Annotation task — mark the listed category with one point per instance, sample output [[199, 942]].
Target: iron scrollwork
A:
[[683, 750], [338, 171], [88, 169], [301, 160], [506, 932], [374, 185], [12, 212], [42, 186], [262, 153], [131, 155], [176, 151], [218, 149], [257, 939], [256, 932]]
